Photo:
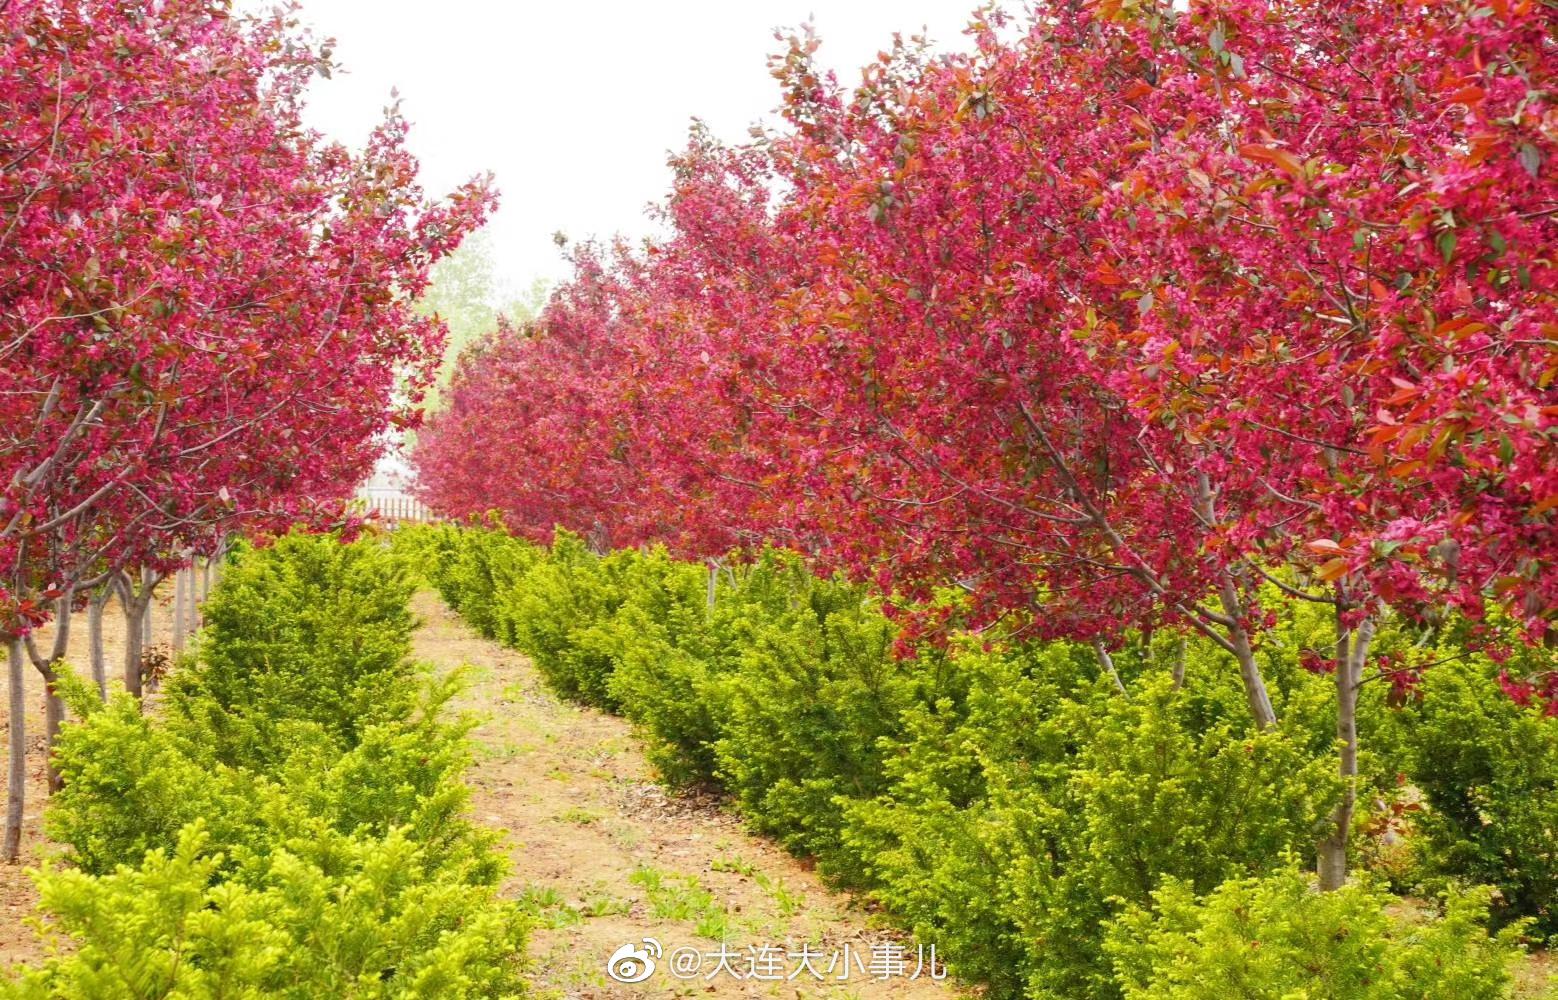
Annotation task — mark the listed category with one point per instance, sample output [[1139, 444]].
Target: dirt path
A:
[[611, 859]]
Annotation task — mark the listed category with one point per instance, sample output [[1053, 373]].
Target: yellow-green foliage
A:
[[1488, 770], [279, 832], [304, 636], [363, 920], [1276, 938], [1027, 808]]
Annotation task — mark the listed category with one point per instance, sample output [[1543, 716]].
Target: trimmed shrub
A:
[[1488, 771], [305, 635], [474, 568], [1047, 802], [665, 681], [132, 785], [811, 693], [1276, 938], [558, 611], [275, 833], [368, 922]]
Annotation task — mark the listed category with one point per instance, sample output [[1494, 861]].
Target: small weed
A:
[[604, 905], [714, 925], [736, 865], [579, 816], [789, 903], [682, 898], [545, 904]]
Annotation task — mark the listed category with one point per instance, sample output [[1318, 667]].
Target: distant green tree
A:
[[469, 295]]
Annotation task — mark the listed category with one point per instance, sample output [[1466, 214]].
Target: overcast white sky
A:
[[574, 105]]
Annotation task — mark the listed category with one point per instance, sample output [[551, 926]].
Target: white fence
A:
[[395, 506]]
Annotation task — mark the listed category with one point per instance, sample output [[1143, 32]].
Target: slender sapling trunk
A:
[[1107, 663], [95, 638], [180, 609], [46, 664], [1243, 651], [16, 757], [137, 626], [1352, 650]]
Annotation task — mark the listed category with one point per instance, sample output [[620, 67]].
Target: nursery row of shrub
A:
[[292, 822], [1055, 838]]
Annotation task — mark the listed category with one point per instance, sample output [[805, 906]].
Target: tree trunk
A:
[[137, 606], [192, 595], [218, 560], [1237, 639], [16, 758], [1107, 663], [149, 585], [95, 638], [53, 719], [1254, 684], [1352, 650], [45, 663], [180, 609], [196, 595]]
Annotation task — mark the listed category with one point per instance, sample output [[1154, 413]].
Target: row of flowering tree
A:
[[1123, 317], [205, 309]]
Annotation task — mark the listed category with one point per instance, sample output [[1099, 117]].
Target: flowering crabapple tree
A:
[[550, 431], [1118, 320], [1347, 250], [207, 310], [617, 408]]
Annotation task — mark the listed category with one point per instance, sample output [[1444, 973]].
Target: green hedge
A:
[[1276, 939], [1488, 771], [998, 796], [293, 824]]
